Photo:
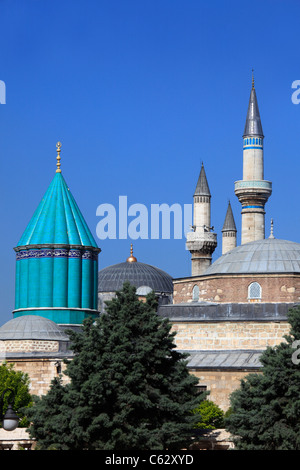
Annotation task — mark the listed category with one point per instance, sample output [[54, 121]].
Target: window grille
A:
[[196, 292], [254, 291]]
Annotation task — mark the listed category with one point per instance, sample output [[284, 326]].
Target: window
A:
[[201, 388], [254, 292], [196, 292]]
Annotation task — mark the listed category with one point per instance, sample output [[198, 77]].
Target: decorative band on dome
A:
[[56, 253]]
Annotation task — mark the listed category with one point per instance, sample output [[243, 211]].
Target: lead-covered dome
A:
[[262, 256], [32, 327], [112, 278]]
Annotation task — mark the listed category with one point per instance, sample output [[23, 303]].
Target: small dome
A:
[[112, 278], [32, 327], [262, 256], [144, 290]]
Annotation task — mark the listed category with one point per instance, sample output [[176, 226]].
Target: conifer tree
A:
[[129, 387], [266, 408]]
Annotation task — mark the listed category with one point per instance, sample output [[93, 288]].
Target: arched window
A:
[[196, 292], [254, 292]]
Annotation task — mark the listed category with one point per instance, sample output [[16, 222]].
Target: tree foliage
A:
[[265, 410], [210, 415], [19, 383], [129, 387]]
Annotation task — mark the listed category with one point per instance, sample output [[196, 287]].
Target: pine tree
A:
[[266, 408], [129, 387]]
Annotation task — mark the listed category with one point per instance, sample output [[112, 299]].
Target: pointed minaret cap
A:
[[253, 125], [202, 188], [131, 259], [229, 223]]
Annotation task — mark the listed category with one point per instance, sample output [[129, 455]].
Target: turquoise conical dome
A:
[[57, 219], [57, 260]]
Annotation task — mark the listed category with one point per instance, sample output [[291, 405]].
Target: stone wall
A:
[[42, 360], [18, 439], [220, 384], [228, 335], [29, 345], [234, 288], [41, 372]]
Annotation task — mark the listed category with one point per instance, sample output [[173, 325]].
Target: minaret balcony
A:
[[250, 188], [201, 241], [260, 184]]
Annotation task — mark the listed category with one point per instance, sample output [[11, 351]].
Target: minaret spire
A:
[[253, 125], [228, 231], [253, 191]]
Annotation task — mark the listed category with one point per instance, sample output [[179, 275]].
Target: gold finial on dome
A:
[[58, 147], [131, 259]]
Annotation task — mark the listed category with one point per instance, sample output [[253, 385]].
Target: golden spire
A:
[[252, 79], [131, 259], [58, 147]]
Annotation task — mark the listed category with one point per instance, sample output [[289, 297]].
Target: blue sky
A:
[[140, 93]]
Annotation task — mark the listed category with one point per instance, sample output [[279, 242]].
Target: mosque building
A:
[[225, 314]]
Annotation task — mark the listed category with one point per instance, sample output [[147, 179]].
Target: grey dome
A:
[[262, 256], [112, 278], [31, 327], [143, 290]]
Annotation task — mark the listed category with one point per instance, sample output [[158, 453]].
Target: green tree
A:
[[265, 410], [19, 383], [209, 415], [129, 387]]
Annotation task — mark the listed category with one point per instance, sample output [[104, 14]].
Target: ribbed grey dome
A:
[[112, 278], [262, 256], [31, 327]]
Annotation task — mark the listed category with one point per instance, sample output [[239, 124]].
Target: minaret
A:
[[57, 260], [228, 231], [253, 191], [201, 242]]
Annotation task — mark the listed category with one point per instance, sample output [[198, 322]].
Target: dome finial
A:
[[131, 259], [58, 147], [272, 227], [252, 79]]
